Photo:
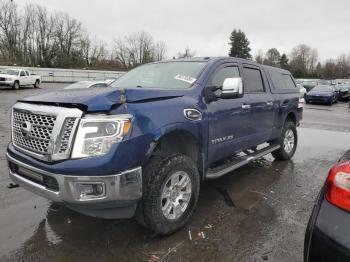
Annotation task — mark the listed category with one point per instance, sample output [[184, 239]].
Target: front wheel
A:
[[288, 142], [16, 85], [37, 84], [170, 193]]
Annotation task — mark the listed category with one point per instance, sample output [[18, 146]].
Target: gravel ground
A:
[[272, 204]]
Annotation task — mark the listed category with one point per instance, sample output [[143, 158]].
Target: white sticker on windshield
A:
[[187, 79]]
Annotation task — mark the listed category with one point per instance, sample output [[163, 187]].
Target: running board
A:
[[239, 162]]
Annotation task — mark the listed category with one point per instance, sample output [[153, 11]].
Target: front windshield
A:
[[12, 72], [167, 75], [78, 85], [323, 89]]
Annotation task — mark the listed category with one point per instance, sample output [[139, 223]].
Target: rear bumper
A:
[[327, 235], [121, 191]]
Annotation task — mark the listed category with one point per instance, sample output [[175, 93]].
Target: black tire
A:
[[281, 153], [16, 85], [37, 84], [156, 174]]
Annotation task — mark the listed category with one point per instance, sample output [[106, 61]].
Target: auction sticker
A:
[[187, 79]]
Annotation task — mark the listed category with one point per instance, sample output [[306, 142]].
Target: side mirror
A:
[[232, 87]]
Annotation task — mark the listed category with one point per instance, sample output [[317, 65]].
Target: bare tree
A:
[[46, 41], [9, 30], [303, 60], [187, 53], [342, 67], [138, 48], [159, 51], [68, 34], [259, 57], [272, 57]]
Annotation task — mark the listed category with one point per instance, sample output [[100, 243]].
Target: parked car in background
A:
[[16, 78], [87, 84], [110, 80], [309, 84], [322, 94], [326, 82], [344, 92], [328, 231]]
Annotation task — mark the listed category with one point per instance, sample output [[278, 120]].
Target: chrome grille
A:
[[44, 132], [66, 135], [32, 131]]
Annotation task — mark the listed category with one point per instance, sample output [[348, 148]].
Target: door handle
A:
[[270, 103], [245, 106]]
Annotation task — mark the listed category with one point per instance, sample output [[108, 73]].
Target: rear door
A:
[[261, 104]]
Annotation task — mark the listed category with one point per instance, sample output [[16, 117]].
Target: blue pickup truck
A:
[[141, 147]]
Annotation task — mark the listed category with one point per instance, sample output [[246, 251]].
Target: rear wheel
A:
[[170, 193], [37, 84], [288, 142], [16, 85]]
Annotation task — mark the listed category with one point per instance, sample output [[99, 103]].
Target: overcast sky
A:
[[205, 25]]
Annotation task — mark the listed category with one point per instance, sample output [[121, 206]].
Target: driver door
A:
[[229, 119], [23, 78]]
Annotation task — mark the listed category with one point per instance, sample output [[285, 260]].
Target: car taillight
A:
[[338, 186]]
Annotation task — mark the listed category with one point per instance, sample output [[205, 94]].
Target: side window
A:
[[27, 73], [222, 74], [22, 73], [281, 80], [252, 80], [288, 82]]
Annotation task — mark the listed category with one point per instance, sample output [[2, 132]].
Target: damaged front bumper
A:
[[110, 196]]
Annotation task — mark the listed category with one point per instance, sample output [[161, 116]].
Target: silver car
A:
[[87, 84]]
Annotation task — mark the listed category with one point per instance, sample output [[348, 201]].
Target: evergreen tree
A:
[[239, 45], [284, 61]]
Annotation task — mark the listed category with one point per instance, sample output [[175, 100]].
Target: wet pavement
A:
[[271, 205]]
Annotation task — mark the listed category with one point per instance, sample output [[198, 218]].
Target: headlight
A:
[[8, 79], [97, 134]]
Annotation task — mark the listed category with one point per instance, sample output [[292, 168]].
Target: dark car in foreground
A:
[[327, 236], [322, 94]]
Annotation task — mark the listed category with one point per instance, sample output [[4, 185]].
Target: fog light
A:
[[90, 190]]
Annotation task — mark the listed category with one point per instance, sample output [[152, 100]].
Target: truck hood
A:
[[5, 75], [102, 99]]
